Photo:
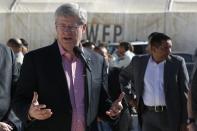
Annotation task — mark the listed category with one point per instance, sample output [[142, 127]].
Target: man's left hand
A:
[[116, 107]]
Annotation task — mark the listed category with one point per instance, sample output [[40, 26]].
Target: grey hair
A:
[[72, 9]]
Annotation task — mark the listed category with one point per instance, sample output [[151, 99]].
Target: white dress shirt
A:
[[123, 61], [19, 57], [154, 84]]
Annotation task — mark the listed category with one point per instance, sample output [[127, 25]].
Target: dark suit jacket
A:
[[8, 76], [194, 94], [124, 121], [175, 85], [42, 71]]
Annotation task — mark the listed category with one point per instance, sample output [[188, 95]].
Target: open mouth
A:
[[68, 39]]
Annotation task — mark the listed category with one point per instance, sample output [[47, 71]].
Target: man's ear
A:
[[152, 48]]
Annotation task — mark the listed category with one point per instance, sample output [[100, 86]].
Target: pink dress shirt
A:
[[73, 69]]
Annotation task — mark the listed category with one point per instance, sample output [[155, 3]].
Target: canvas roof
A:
[[108, 6]]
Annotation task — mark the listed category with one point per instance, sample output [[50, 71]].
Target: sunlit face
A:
[[16, 49], [69, 32], [24, 49], [161, 53], [105, 53]]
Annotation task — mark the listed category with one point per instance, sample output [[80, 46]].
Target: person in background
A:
[[25, 47], [123, 55], [16, 45], [160, 81], [102, 50], [63, 86], [9, 73], [103, 125], [192, 104], [88, 44], [124, 122]]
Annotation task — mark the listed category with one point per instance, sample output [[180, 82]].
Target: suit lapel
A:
[[58, 72], [88, 79], [143, 65], [167, 70], [142, 69]]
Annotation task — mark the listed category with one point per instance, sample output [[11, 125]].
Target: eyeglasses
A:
[[68, 28]]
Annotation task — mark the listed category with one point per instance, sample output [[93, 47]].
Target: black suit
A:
[[8, 75], [42, 71], [194, 93], [124, 122], [175, 85]]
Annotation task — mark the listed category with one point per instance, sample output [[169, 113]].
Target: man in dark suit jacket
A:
[[124, 121], [192, 104], [8, 75], [159, 81], [68, 83]]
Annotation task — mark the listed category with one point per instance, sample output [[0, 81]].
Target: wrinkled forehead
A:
[[67, 20]]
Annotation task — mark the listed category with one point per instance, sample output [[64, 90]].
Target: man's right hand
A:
[[5, 127], [38, 111], [192, 127]]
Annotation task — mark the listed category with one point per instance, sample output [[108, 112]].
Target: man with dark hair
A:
[[16, 45], [25, 47], [124, 121], [8, 75], [160, 81], [192, 104], [88, 44], [123, 55]]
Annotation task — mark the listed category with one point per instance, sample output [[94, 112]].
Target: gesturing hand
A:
[[192, 127], [5, 127], [38, 111], [116, 107]]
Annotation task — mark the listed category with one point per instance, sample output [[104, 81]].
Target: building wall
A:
[[39, 30]]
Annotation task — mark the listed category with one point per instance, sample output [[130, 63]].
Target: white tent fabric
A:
[[120, 6], [108, 20]]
